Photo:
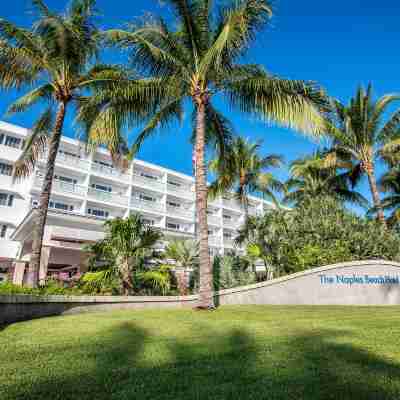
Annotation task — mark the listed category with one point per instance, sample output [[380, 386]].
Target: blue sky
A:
[[339, 44]]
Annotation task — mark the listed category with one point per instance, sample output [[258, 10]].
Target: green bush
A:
[[316, 233], [51, 288]]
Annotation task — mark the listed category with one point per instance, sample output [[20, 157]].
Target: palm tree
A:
[[389, 183], [360, 131], [311, 178], [126, 244], [245, 171], [195, 60], [57, 57], [185, 253]]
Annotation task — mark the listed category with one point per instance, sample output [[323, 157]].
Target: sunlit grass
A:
[[233, 353]]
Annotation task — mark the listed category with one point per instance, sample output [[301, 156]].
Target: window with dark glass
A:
[[5, 169]]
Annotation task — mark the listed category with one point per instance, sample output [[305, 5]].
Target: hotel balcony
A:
[[213, 220], [180, 212], [147, 205], [110, 172], [232, 204], [156, 184], [69, 161], [180, 191], [231, 224], [229, 243], [214, 241], [108, 197], [61, 187]]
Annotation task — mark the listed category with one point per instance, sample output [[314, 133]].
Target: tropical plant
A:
[[229, 273], [197, 59], [158, 278], [319, 232], [244, 171], [361, 133], [126, 245], [58, 58], [311, 178], [185, 253]]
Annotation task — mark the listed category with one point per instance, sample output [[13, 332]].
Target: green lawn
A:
[[233, 353]]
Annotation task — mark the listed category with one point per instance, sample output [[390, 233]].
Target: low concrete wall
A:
[[363, 283]]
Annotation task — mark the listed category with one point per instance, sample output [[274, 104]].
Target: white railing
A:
[[148, 182], [229, 242], [214, 241], [232, 204], [146, 205], [213, 220], [109, 171], [179, 211], [185, 191], [61, 186], [230, 224], [108, 197], [71, 161]]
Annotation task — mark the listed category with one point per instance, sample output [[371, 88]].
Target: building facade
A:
[[88, 189]]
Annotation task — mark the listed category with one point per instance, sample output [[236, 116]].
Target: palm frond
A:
[[35, 145], [42, 93]]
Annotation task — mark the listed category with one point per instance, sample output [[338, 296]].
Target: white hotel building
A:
[[87, 189]]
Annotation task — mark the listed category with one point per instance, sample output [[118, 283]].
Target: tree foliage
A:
[[316, 233]]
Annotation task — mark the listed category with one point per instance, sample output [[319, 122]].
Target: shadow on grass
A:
[[133, 365]]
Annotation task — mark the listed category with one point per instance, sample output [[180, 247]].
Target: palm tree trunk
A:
[[370, 170], [126, 278], [38, 229], [206, 300]]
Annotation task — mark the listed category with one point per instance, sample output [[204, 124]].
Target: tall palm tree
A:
[[126, 243], [359, 131], [57, 56], [311, 178], [243, 170], [197, 59]]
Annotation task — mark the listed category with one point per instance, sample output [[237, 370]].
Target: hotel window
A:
[[3, 231], [12, 141], [149, 176], [227, 235], [61, 206], [66, 179], [227, 217], [6, 199], [103, 164], [98, 213], [5, 169], [174, 183], [148, 221], [173, 204], [69, 154], [2, 136], [175, 227], [103, 188], [145, 197]]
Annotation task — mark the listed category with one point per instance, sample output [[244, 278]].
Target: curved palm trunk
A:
[[32, 279], [370, 170], [206, 300]]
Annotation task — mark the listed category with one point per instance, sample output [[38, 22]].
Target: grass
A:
[[249, 352]]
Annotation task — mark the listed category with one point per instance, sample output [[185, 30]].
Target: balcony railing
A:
[[147, 205], [179, 211], [108, 197], [109, 171], [184, 191], [229, 242], [211, 219], [214, 241], [148, 182], [230, 223], [61, 186], [232, 204]]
